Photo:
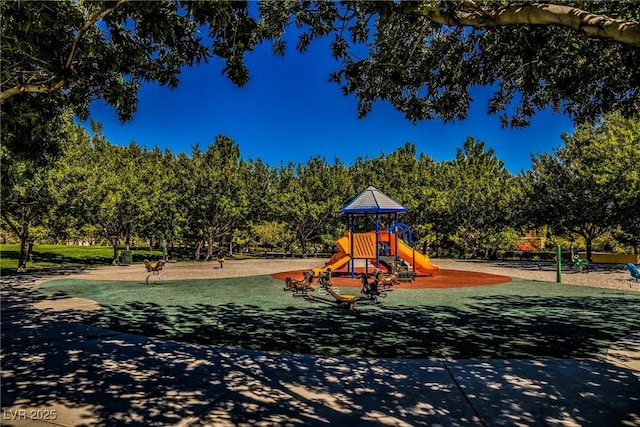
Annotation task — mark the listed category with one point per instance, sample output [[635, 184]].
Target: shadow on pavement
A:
[[497, 327], [104, 377]]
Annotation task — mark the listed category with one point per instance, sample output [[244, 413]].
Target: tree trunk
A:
[[198, 249], [209, 247], [589, 243], [24, 247], [115, 245], [303, 245]]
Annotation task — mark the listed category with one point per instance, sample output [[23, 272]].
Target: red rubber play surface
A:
[[444, 279]]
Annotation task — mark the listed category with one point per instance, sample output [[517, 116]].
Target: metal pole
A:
[[377, 241], [353, 262], [559, 264]]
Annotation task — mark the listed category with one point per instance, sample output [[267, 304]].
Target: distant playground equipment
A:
[[156, 269], [300, 288], [580, 264], [633, 270]]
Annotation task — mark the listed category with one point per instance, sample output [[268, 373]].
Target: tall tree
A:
[[591, 185], [478, 193], [27, 188], [217, 202], [111, 201], [26, 200], [311, 195], [423, 215], [160, 206]]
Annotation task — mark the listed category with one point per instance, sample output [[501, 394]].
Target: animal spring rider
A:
[[156, 269], [371, 291], [633, 270], [302, 287], [324, 278], [580, 264], [388, 282]]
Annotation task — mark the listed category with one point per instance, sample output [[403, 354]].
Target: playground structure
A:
[[373, 247], [383, 248]]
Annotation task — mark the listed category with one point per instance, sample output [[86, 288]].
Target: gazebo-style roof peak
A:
[[372, 201]]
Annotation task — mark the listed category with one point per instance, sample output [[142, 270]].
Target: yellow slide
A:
[[339, 259]]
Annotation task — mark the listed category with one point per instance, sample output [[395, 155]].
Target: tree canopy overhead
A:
[[80, 51], [581, 58], [424, 57]]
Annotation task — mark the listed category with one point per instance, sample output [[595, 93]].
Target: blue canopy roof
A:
[[372, 201]]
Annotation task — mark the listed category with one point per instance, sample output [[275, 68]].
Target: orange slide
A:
[[364, 247]]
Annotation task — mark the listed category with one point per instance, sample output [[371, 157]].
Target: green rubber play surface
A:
[[520, 319]]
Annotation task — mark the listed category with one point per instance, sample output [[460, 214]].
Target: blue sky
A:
[[290, 112]]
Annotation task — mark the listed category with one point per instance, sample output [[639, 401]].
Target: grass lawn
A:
[[56, 255], [521, 319]]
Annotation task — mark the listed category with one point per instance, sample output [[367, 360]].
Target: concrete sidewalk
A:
[[57, 371]]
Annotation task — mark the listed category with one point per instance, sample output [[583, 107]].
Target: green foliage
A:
[[215, 194], [425, 57], [211, 199], [476, 200], [310, 198], [65, 54], [591, 185], [271, 233]]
